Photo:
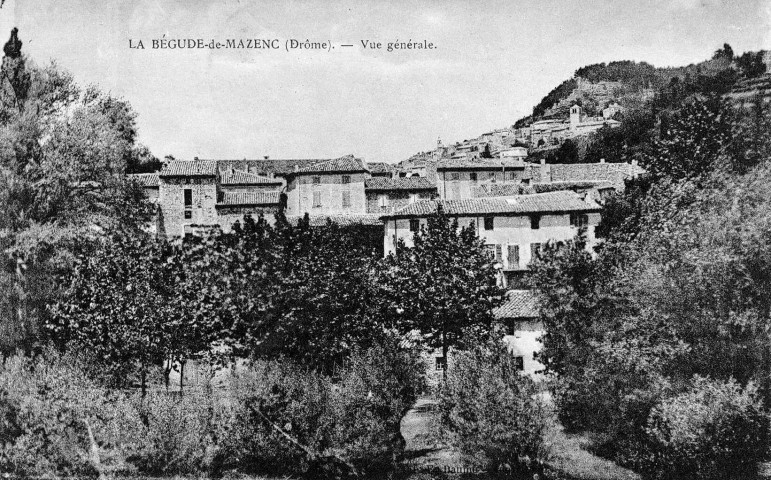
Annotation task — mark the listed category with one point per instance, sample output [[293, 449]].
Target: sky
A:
[[493, 61]]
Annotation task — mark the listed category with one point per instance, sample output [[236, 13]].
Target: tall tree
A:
[[444, 286]]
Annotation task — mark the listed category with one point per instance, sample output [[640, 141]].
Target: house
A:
[[523, 329], [380, 169], [389, 194], [513, 228], [332, 187], [456, 178]]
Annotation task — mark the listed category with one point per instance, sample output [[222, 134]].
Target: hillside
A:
[[620, 104]]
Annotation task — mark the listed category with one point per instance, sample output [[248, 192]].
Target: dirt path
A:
[[424, 447]]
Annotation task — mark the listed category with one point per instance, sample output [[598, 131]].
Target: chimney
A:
[[195, 158], [602, 160], [634, 162], [543, 161], [296, 168], [266, 157]]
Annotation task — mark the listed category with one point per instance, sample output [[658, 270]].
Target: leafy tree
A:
[[690, 141], [63, 151], [444, 286], [751, 64], [567, 153]]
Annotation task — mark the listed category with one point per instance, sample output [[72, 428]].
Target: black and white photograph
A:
[[386, 240]]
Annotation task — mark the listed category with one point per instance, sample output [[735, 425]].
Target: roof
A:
[[342, 220], [518, 304], [500, 190], [146, 180], [348, 163], [561, 201], [230, 199], [570, 185], [267, 166], [479, 164], [189, 168], [237, 177], [400, 183], [379, 167]]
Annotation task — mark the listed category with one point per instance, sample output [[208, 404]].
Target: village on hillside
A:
[[582, 294]]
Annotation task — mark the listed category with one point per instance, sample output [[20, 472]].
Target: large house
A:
[[514, 228]]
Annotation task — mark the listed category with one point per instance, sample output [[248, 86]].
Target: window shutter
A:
[[316, 199], [498, 253], [346, 199], [513, 257]]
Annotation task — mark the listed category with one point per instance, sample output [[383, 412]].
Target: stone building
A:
[[456, 179], [513, 228], [333, 187], [386, 195]]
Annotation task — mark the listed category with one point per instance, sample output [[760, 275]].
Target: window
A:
[[512, 175], [495, 251], [519, 362], [316, 180], [188, 199], [473, 176], [441, 363], [346, 179], [489, 223], [535, 222], [526, 181], [455, 176], [316, 199], [346, 199], [382, 201], [535, 250], [513, 257], [579, 219], [414, 225]]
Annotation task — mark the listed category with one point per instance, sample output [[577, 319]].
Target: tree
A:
[[444, 286], [63, 151], [567, 153], [751, 64]]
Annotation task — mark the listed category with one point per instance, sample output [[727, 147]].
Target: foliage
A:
[[48, 405], [690, 141], [63, 153], [751, 64], [444, 286], [713, 430], [491, 412], [553, 97]]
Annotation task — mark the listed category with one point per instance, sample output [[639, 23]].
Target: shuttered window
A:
[[316, 199], [346, 199], [513, 254]]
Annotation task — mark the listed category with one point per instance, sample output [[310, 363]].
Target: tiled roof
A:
[[251, 198], [562, 201], [554, 186], [500, 190], [379, 167], [518, 304], [189, 168], [146, 180], [401, 183], [342, 220], [237, 177], [348, 163], [267, 166], [479, 164]]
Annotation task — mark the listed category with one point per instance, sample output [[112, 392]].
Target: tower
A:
[[575, 117]]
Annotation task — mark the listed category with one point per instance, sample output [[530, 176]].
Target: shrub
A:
[[491, 412], [48, 407], [713, 430]]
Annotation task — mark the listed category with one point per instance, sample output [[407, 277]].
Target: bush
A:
[[357, 418], [491, 412], [714, 430], [47, 408]]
